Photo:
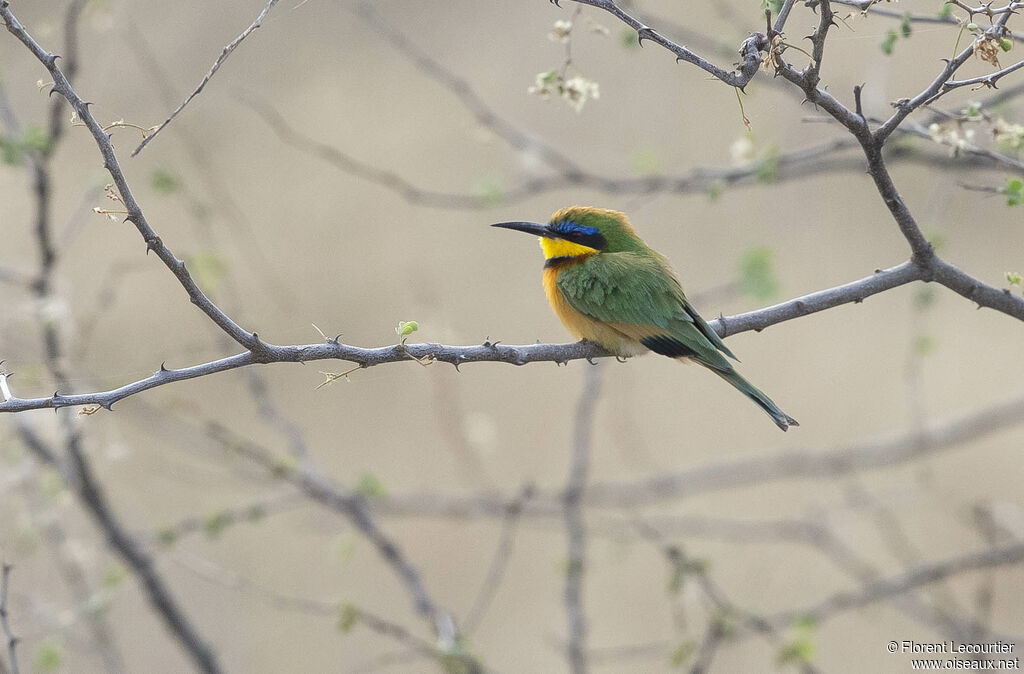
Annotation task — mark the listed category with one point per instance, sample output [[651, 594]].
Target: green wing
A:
[[640, 290]]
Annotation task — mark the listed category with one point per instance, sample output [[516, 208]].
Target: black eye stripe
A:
[[591, 240]]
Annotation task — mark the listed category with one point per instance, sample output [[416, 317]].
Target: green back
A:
[[638, 288]]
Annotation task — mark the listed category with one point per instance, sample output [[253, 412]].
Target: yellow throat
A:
[[562, 248]]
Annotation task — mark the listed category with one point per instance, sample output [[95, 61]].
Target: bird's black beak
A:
[[528, 227]]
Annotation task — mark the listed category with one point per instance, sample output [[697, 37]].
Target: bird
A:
[[609, 287]]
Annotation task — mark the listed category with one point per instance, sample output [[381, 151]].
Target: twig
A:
[[12, 641], [575, 528], [783, 17], [984, 80], [872, 7], [94, 500], [314, 481], [713, 636], [683, 568], [987, 9], [230, 47], [470, 100], [735, 474], [793, 164], [89, 603], [808, 464], [897, 585], [352, 505], [905, 107], [499, 562], [219, 197], [750, 50], [225, 517], [924, 256], [224, 577]]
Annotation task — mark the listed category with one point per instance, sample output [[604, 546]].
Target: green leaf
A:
[[905, 25], [48, 655], [946, 12], [925, 344], [348, 616], [370, 486], [208, 269], [678, 658], [889, 43], [1014, 278], [757, 274], [801, 649], [167, 536], [1014, 192], [924, 297], [114, 576], [768, 168], [797, 651], [725, 622], [214, 523], [627, 38], [489, 190], [10, 151], [645, 161], [34, 138], [164, 182], [282, 467], [1005, 43], [805, 622], [774, 5], [406, 328]]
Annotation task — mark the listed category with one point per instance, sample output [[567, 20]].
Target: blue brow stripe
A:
[[569, 226]]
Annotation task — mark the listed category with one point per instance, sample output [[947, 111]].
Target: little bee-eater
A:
[[608, 286]]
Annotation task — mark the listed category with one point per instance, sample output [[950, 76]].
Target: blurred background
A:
[[338, 174]]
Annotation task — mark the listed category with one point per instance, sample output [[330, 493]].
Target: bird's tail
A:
[[781, 419]]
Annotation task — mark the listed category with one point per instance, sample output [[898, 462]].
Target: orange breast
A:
[[582, 326]]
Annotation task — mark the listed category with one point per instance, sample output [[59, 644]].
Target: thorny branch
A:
[[925, 264], [750, 49], [73, 463], [457, 356], [924, 257], [230, 47], [110, 162]]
